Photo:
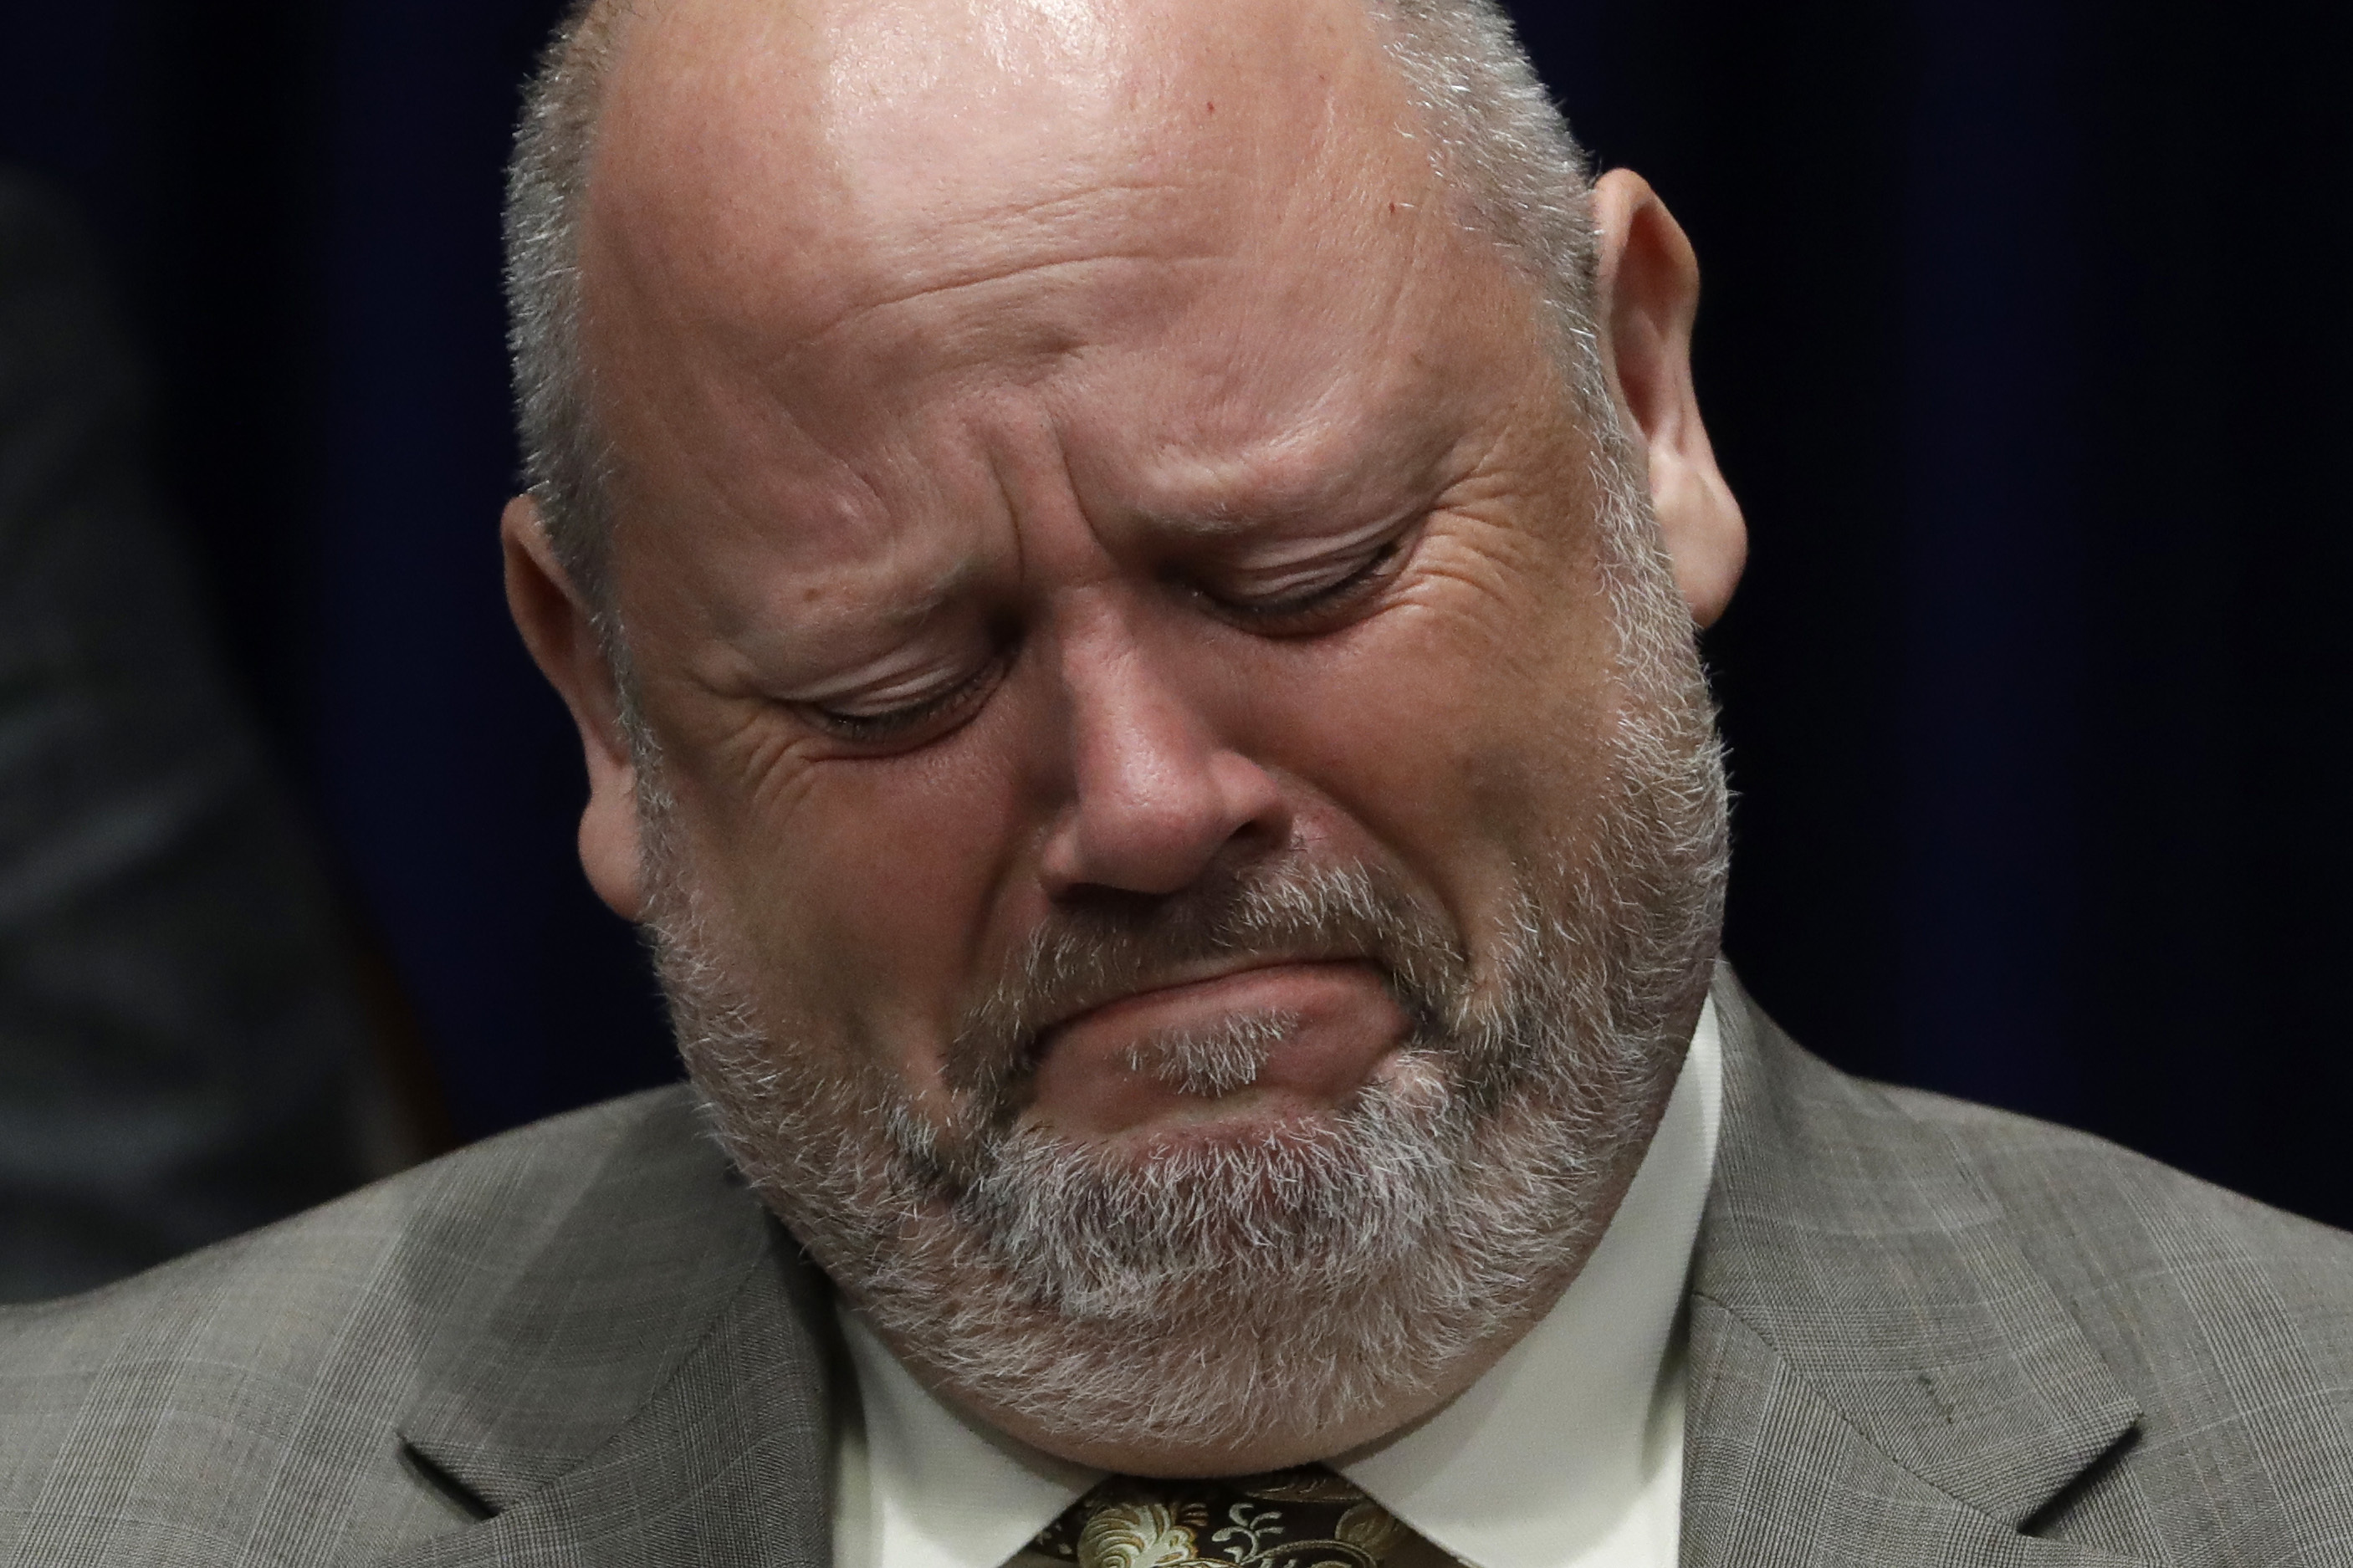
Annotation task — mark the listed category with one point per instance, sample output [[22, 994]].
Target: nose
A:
[[1157, 798]]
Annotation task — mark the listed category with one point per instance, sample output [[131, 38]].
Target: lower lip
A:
[[1347, 1023]]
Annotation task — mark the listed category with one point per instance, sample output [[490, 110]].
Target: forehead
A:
[[819, 234], [790, 164]]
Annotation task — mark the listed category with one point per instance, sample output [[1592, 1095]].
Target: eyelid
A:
[[1303, 580], [889, 697], [1334, 580], [905, 719]]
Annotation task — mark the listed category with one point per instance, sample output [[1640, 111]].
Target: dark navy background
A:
[[2026, 346]]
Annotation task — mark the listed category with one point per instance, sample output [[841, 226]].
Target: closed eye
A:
[[912, 723], [1317, 604]]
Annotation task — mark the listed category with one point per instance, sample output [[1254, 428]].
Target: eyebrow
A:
[[896, 604], [1369, 477], [1360, 498]]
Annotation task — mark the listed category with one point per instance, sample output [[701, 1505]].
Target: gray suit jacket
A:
[[1921, 1332]]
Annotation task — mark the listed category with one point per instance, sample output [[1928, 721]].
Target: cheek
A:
[[867, 888], [1466, 745]]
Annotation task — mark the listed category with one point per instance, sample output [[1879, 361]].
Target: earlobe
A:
[[1646, 300], [612, 846], [560, 630]]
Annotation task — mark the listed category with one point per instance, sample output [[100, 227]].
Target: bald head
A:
[[721, 161], [804, 165], [771, 183]]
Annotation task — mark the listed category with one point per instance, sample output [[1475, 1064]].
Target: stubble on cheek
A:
[[856, 894]]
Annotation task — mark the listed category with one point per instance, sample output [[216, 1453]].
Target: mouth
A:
[[1177, 984], [1325, 1024]]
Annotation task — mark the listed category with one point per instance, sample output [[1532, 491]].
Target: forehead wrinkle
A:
[[1052, 337], [791, 284], [1345, 439], [745, 496], [761, 310], [1341, 442], [1251, 502]]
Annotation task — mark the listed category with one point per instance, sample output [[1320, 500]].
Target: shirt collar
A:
[[919, 1484], [1559, 1452], [1547, 1460]]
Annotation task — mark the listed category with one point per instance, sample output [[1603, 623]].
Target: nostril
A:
[[1149, 835], [1115, 909]]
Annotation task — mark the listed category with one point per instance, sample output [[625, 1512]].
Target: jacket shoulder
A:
[[2106, 1224], [244, 1403], [2230, 1324]]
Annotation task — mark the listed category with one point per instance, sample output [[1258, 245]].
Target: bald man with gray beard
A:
[[1127, 572]]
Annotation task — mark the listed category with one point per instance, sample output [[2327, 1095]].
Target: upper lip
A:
[[1196, 974]]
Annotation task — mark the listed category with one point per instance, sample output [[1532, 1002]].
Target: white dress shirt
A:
[[1567, 1452]]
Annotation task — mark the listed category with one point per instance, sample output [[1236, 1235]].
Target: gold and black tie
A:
[[1303, 1518]]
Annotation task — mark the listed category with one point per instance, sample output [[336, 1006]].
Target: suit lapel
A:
[[1876, 1374], [726, 1464], [643, 1383]]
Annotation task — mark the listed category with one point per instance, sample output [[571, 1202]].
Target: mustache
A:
[[1089, 954]]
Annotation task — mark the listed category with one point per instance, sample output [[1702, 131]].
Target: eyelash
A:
[[895, 723], [1316, 600]]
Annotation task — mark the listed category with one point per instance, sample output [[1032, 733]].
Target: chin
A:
[[1238, 1125], [1237, 1294]]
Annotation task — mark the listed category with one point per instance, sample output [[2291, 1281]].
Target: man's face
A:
[[1090, 525], [1115, 580]]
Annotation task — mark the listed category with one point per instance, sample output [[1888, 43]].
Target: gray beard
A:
[[1285, 1285]]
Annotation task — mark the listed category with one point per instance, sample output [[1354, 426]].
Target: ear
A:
[[561, 632], [1646, 301]]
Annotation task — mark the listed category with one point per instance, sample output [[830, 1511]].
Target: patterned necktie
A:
[[1303, 1518]]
